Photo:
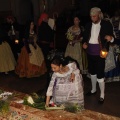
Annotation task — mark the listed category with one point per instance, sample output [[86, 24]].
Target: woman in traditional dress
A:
[[7, 60], [31, 60], [112, 66], [12, 28], [66, 83], [74, 48], [115, 20], [112, 71]]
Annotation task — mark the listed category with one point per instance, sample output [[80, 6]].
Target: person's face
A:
[[55, 68], [76, 21], [95, 18], [32, 26]]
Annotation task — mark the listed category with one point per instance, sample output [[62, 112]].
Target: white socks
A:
[[102, 87], [101, 82], [94, 82]]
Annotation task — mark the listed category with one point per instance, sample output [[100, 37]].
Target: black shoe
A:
[[90, 93], [101, 100]]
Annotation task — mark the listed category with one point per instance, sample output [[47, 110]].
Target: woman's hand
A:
[[47, 101], [108, 38], [72, 78], [47, 104], [85, 45]]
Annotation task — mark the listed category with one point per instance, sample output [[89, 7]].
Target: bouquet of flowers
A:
[[5, 98], [53, 106], [35, 101], [70, 107], [73, 107], [70, 36], [4, 108]]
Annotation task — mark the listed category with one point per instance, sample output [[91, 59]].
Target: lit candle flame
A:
[[16, 41], [103, 53]]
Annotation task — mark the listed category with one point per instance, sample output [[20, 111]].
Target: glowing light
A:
[[103, 53], [16, 41]]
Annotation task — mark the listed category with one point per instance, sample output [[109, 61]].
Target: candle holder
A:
[[103, 53], [104, 50]]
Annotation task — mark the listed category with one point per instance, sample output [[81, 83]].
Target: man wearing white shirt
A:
[[97, 35]]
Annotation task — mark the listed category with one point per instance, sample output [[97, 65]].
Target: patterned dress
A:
[[64, 91], [75, 50], [31, 60], [112, 69], [7, 60], [116, 28]]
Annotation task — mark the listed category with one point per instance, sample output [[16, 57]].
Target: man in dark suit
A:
[[97, 35]]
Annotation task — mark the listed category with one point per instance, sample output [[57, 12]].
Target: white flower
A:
[[30, 100], [6, 94]]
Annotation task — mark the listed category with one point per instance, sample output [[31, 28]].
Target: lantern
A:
[[103, 53]]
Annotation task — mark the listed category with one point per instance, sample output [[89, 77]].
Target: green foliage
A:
[[38, 101], [1, 91], [73, 107], [4, 107]]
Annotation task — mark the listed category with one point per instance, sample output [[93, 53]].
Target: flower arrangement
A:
[[5, 98], [30, 100], [74, 107], [70, 36], [4, 108], [69, 107], [35, 101]]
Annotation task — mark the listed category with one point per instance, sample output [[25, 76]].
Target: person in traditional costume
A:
[[7, 60], [45, 39], [112, 71], [74, 47], [66, 85], [31, 61], [45, 34], [112, 66], [97, 35], [115, 20], [12, 28]]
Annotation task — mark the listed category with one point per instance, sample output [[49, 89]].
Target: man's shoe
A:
[[90, 93], [101, 100]]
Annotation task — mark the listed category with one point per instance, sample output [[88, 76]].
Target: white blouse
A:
[[72, 69]]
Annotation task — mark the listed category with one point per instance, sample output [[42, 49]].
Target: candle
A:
[[16, 41], [103, 53]]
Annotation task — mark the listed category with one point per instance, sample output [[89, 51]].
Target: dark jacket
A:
[[45, 33], [106, 29]]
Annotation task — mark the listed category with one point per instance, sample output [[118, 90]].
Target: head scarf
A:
[[42, 17], [95, 11]]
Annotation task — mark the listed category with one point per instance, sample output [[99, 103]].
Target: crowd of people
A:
[[84, 54]]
